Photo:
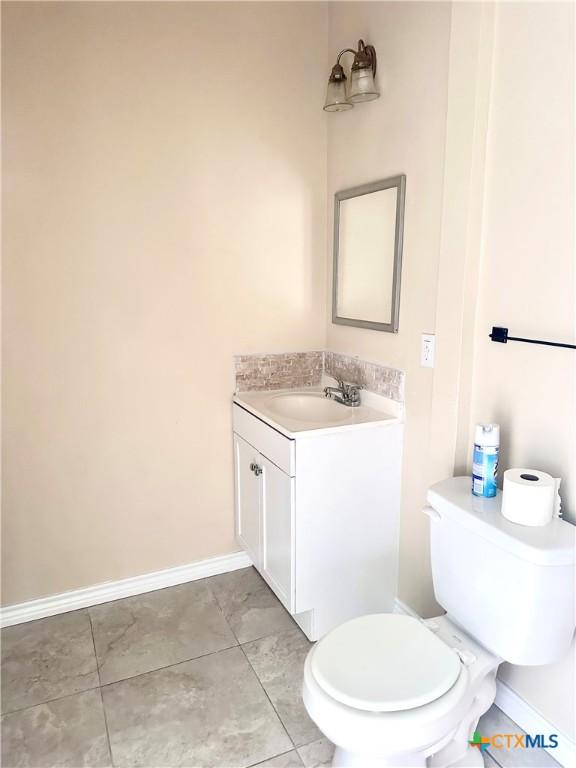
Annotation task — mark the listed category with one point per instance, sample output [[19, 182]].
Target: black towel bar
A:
[[501, 335]]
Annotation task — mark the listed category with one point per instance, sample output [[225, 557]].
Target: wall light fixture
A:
[[362, 86]]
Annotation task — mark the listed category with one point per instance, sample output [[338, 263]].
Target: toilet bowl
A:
[[389, 690], [396, 691]]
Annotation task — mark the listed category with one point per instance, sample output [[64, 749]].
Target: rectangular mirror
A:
[[368, 227]]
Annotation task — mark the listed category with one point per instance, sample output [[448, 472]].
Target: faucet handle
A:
[[352, 393]]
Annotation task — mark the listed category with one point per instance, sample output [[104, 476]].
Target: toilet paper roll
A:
[[530, 497]]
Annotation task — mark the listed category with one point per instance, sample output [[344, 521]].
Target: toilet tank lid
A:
[[552, 544]]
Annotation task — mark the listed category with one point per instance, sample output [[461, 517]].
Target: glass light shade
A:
[[336, 100], [362, 87]]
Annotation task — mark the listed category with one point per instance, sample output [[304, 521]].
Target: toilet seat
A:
[[426, 728], [384, 663]]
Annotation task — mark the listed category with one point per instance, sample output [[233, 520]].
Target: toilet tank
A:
[[510, 586]]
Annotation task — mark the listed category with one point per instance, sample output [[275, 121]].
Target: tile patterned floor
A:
[[206, 674]]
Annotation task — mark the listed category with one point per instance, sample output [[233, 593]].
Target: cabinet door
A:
[[278, 556], [247, 499]]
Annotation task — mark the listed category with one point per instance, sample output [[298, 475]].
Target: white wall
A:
[[527, 278], [402, 132], [162, 215], [164, 209], [477, 110]]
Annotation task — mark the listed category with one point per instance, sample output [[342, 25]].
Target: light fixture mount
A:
[[364, 58]]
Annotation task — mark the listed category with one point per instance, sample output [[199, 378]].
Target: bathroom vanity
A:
[[317, 505]]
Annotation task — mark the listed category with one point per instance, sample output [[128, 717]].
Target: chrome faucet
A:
[[347, 394]]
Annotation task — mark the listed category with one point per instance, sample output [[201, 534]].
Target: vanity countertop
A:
[[306, 411]]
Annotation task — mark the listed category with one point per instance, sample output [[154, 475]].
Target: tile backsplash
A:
[[281, 371], [385, 381], [305, 369]]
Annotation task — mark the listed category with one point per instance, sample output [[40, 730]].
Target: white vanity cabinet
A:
[[247, 489], [265, 518], [318, 515]]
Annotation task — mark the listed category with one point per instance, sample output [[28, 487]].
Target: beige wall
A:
[[162, 215], [402, 132], [481, 121], [527, 277], [164, 187]]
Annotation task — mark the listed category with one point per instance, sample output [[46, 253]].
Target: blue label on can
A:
[[484, 471]]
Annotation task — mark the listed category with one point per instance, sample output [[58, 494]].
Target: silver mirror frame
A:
[[399, 182]]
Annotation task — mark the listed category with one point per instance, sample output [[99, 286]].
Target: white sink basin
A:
[[309, 406], [301, 411]]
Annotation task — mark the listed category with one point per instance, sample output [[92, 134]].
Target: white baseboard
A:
[[531, 721], [114, 590], [518, 710]]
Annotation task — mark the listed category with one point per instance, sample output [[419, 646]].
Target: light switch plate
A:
[[427, 350]]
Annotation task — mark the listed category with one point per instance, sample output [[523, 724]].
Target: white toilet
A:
[[394, 690]]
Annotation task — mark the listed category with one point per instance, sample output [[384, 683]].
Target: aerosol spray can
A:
[[485, 459]]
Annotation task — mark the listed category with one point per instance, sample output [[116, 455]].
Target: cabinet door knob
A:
[[256, 469]]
